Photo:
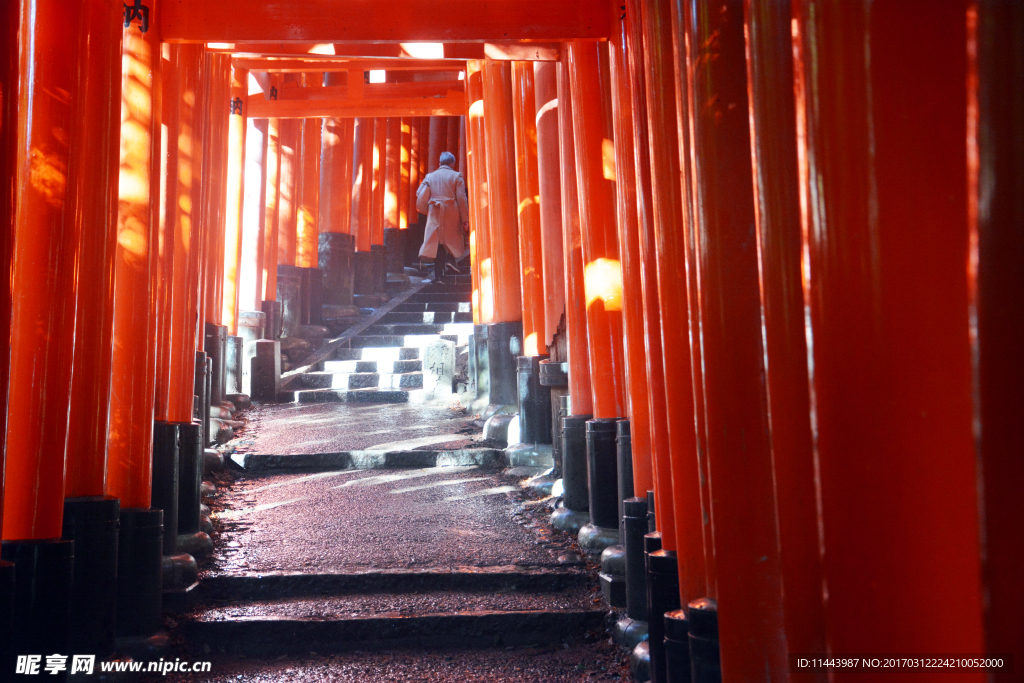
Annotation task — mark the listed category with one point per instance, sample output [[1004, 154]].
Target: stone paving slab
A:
[[343, 521], [556, 663]]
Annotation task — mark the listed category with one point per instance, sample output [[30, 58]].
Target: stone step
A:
[[359, 396], [390, 353], [406, 328], [415, 318], [439, 287], [451, 307], [393, 366], [408, 340], [388, 622], [362, 380], [278, 585], [272, 463], [438, 297]]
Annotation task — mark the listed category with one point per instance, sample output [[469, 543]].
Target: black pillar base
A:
[[43, 579], [7, 615], [481, 366], [272, 328], [677, 647], [92, 524], [534, 401], [216, 336], [662, 597], [705, 660], [635, 527], [379, 254], [290, 295], [394, 243], [414, 238], [504, 344], [554, 378], [335, 260], [190, 477], [202, 411], [314, 311], [233, 363], [575, 496], [166, 440], [362, 267], [139, 578], [602, 467]]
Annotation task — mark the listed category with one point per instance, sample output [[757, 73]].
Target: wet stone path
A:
[[393, 569]]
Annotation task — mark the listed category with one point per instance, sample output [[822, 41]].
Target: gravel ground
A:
[[590, 662]]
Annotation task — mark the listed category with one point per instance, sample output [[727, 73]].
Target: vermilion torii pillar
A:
[[480, 240], [527, 185], [627, 217], [133, 367], [677, 486], [307, 232], [234, 197], [995, 216], [337, 245], [602, 275], [777, 212], [747, 560], [438, 142], [291, 158], [93, 177], [884, 154], [504, 342], [581, 400], [42, 276], [362, 197], [405, 158], [250, 276], [394, 241], [550, 192], [377, 205], [271, 228]]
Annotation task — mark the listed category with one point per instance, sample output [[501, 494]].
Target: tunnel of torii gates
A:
[[778, 246]]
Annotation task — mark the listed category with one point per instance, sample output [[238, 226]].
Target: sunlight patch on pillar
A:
[[602, 280], [530, 345], [608, 159]]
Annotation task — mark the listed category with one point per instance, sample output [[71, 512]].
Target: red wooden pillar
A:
[[336, 176], [250, 275], [581, 402], [479, 236], [307, 232], [659, 440], [362, 182], [336, 169], [677, 483], [218, 115], [995, 216], [602, 270], [527, 185], [777, 213], [415, 125], [9, 24], [744, 528], [881, 127], [627, 218], [405, 157], [392, 172], [501, 191], [438, 142], [291, 159], [93, 175], [182, 233], [550, 192], [42, 270], [452, 139], [234, 197], [272, 211], [379, 171], [133, 366]]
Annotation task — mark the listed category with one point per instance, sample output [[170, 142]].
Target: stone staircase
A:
[[384, 364]]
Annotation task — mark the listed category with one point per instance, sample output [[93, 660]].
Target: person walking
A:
[[442, 196]]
